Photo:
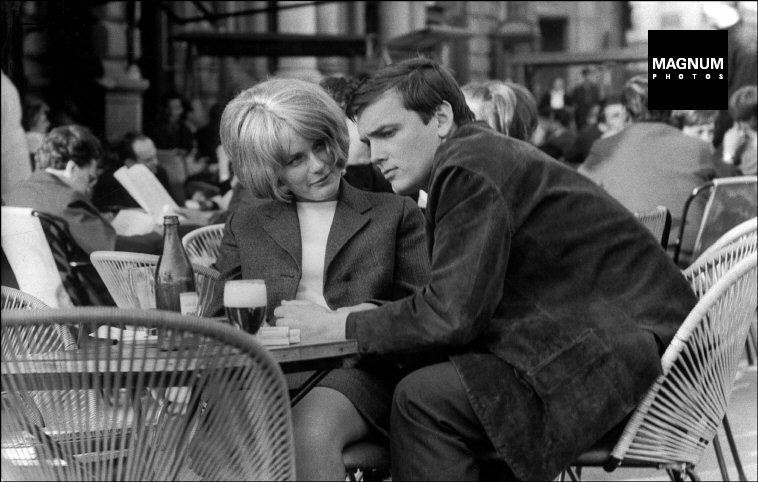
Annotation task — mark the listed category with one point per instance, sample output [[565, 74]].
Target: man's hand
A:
[[314, 321]]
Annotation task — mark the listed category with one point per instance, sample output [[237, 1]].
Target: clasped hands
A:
[[314, 321]]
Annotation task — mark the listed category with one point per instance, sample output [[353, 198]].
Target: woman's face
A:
[[308, 173], [704, 132]]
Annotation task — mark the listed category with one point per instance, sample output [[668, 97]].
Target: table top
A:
[[103, 358]]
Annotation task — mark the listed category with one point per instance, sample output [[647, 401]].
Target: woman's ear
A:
[[443, 116]]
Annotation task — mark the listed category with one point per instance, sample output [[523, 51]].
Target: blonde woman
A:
[[315, 238]]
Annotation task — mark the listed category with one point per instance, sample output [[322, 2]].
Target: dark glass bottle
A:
[[174, 279]]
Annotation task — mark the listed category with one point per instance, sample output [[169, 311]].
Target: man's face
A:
[[83, 178], [615, 117], [704, 132], [401, 145], [146, 154]]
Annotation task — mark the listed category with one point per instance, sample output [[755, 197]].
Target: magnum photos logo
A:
[[687, 69]]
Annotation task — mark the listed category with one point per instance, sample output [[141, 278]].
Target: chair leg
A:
[[720, 458], [574, 477], [733, 447]]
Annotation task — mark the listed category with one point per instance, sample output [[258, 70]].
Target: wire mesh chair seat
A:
[[681, 413], [738, 232], [13, 299], [113, 267], [234, 425], [203, 244], [658, 221]]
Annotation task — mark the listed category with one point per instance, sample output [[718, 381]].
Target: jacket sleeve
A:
[[411, 258], [89, 230], [471, 243]]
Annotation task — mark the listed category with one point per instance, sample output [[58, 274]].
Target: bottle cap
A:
[[170, 220]]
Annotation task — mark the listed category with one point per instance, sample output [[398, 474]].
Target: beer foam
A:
[[245, 293]]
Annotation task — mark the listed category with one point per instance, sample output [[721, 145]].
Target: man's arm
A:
[[469, 258]]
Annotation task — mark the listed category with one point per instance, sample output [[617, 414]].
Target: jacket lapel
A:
[[284, 228], [349, 218]]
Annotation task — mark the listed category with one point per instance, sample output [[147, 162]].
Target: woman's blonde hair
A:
[[507, 107], [257, 123]]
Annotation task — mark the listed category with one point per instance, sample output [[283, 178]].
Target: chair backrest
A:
[[731, 200], [202, 244], [684, 408], [744, 229], [230, 417], [658, 221], [13, 299], [113, 267], [29, 255]]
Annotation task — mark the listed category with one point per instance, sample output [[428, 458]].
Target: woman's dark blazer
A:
[[376, 249]]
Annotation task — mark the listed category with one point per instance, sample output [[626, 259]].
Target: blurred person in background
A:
[[699, 124], [739, 145], [507, 107], [16, 162], [651, 163], [133, 148], [315, 238], [560, 136], [66, 172], [586, 95], [36, 123], [614, 116], [556, 99]]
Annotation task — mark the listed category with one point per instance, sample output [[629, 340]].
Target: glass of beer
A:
[[245, 303]]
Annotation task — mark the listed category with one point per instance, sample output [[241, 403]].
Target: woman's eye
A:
[[319, 146], [386, 134], [295, 160]]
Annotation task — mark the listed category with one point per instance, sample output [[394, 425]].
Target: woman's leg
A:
[[325, 421]]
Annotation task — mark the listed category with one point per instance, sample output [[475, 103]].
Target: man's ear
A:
[[443, 116], [69, 169]]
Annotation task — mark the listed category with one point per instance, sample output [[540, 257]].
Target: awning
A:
[[222, 44]]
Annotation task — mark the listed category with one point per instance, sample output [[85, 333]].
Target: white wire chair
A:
[[681, 413], [13, 299], [736, 233], [234, 423], [658, 221], [113, 267], [202, 244], [44, 409]]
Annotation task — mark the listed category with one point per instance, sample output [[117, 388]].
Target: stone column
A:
[[300, 20], [332, 20], [123, 84]]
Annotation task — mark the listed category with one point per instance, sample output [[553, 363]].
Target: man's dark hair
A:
[[125, 148], [635, 97], [422, 84], [68, 143], [743, 102]]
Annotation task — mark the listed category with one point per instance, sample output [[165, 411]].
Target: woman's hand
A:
[[314, 321]]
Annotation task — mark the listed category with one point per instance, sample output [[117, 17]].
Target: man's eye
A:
[[386, 134]]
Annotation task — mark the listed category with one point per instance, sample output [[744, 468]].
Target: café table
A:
[[61, 370]]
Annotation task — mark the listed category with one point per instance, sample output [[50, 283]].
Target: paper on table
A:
[[132, 222]]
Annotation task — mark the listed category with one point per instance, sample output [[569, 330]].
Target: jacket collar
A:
[[284, 228]]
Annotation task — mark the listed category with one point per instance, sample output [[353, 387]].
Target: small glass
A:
[[142, 282], [245, 304]]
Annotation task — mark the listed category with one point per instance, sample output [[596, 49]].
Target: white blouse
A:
[[315, 222]]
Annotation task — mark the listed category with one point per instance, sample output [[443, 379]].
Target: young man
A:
[[548, 306]]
